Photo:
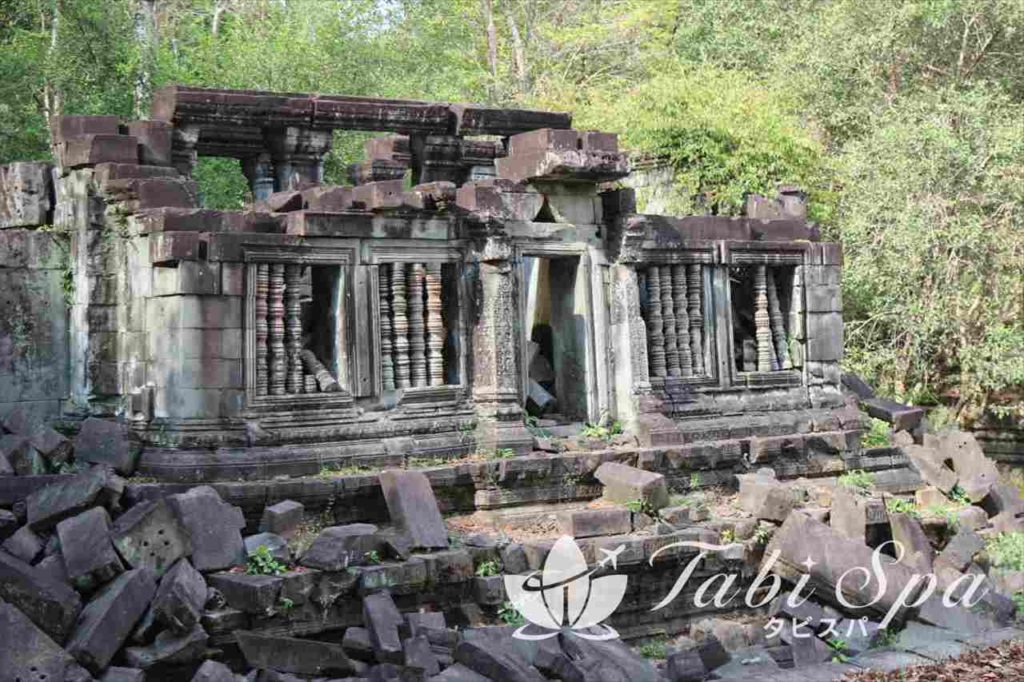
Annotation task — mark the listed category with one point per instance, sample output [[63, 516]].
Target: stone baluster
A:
[[417, 333], [682, 302], [778, 324], [655, 325], [387, 366], [293, 327], [763, 336], [262, 287], [695, 290], [435, 326], [400, 325], [275, 309], [322, 379], [668, 320]]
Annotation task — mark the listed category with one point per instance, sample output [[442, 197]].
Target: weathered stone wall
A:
[[33, 313]]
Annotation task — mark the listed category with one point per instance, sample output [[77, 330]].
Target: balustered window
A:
[[419, 325], [674, 305], [762, 301]]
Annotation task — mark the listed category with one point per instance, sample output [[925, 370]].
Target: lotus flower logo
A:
[[565, 596]]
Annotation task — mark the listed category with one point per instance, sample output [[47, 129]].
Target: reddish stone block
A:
[[154, 141], [89, 150], [375, 195], [544, 139], [66, 127]]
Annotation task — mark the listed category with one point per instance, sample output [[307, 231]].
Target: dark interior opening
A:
[[779, 295]]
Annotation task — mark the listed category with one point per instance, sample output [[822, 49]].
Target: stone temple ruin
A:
[[390, 393]]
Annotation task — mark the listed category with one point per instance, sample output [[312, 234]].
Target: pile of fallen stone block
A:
[[30, 447]]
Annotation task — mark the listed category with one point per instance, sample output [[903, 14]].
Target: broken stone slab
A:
[[48, 506], [419, 656], [214, 671], [585, 523], [88, 553], [929, 496], [275, 544], [24, 544], [8, 523], [382, 619], [779, 502], [170, 648], [27, 653], [609, 660], [51, 445], [802, 539], [413, 508], [902, 417], [495, 664], [907, 531], [149, 536], [972, 517], [213, 527], [294, 655], [1002, 498], [459, 673], [118, 674], [977, 473], [26, 194], [338, 547], [624, 484], [808, 651], [686, 666], [24, 459], [930, 465], [960, 550], [249, 593], [51, 605], [499, 199], [102, 441], [283, 518], [356, 643], [109, 618], [179, 600], [849, 514]]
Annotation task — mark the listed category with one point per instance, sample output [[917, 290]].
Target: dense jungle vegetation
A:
[[903, 120]]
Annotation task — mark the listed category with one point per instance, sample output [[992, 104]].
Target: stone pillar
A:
[[275, 307], [695, 290], [259, 171], [293, 328], [298, 155], [765, 352], [387, 367], [655, 325], [262, 288], [778, 324], [183, 149], [629, 344], [496, 391], [399, 326], [417, 331], [435, 326], [682, 315], [668, 319]]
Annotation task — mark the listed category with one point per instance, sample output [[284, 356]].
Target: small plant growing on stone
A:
[[899, 505], [1018, 600], [886, 638], [488, 568], [640, 506], [262, 562], [287, 604], [763, 535], [695, 480], [857, 480], [510, 615], [877, 435], [1007, 551], [601, 432], [838, 646], [372, 557], [959, 496], [655, 648], [728, 536]]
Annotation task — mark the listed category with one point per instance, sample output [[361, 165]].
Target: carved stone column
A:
[[259, 171], [695, 290], [765, 352], [668, 319], [655, 325], [262, 288], [387, 367], [629, 344], [298, 155], [275, 308], [400, 325], [496, 390], [417, 331], [778, 324], [435, 326], [293, 328], [681, 299]]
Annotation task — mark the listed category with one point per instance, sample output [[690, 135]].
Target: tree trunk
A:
[[145, 41], [519, 54], [53, 103], [492, 42]]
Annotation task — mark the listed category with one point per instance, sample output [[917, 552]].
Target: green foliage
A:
[[1018, 600], [262, 562], [899, 505], [959, 496], [838, 646], [488, 568], [728, 536], [286, 604], [763, 535], [858, 480], [724, 134], [641, 506], [601, 431], [372, 557], [1007, 551], [510, 615], [877, 435], [654, 648]]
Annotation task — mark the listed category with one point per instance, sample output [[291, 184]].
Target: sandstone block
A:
[[108, 619], [179, 601], [170, 648], [283, 518], [24, 544], [89, 556], [27, 652], [849, 514], [148, 535], [587, 523], [102, 441], [212, 671], [902, 417], [26, 194], [53, 606], [293, 655], [382, 619], [213, 528], [89, 150], [338, 547], [413, 508], [624, 484], [275, 544], [154, 141], [249, 593]]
